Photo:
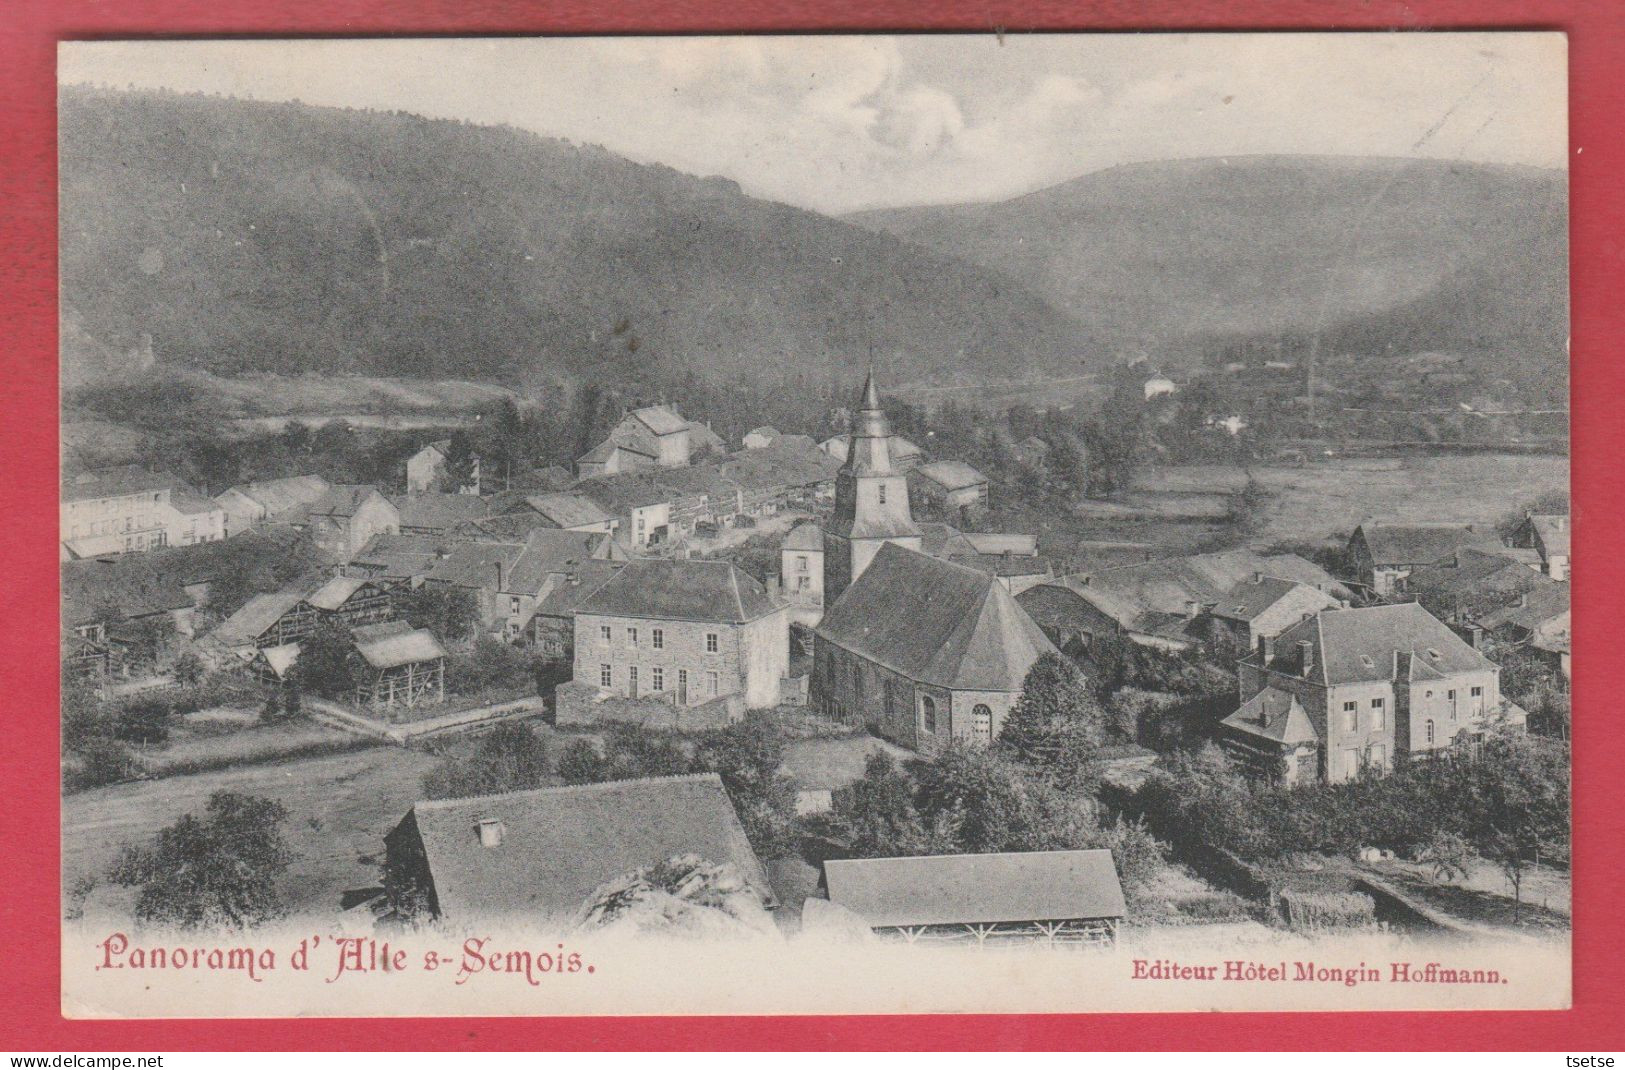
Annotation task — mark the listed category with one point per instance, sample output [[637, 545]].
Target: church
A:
[[919, 649]]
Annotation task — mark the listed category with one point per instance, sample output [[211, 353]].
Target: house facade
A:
[[1261, 606], [688, 632], [1549, 534], [1375, 684], [426, 468], [129, 510], [346, 518], [1382, 556], [801, 572], [268, 501]]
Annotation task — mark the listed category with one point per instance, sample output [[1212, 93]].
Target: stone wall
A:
[[582, 704]]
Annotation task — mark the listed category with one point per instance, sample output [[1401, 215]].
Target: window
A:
[[711, 683], [981, 722], [513, 605], [1351, 716], [606, 676], [657, 677], [710, 642], [801, 563], [682, 685], [632, 636], [928, 713], [882, 490], [603, 632], [1478, 692], [1378, 714], [658, 638], [1430, 733]]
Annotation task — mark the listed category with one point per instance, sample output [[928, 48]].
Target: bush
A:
[[490, 665], [1314, 911], [511, 757], [102, 761], [144, 721]]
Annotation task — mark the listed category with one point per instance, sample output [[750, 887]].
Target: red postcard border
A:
[[29, 817]]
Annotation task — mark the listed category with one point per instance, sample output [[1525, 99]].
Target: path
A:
[[403, 733]]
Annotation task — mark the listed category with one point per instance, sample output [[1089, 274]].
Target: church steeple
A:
[[871, 498]]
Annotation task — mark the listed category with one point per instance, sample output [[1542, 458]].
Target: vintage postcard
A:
[[826, 524]]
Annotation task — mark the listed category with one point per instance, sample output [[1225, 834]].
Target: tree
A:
[[580, 763], [1057, 725], [143, 720], [188, 669], [511, 757], [490, 664], [218, 871], [981, 801], [328, 663], [1448, 855], [747, 756], [875, 817], [451, 613]]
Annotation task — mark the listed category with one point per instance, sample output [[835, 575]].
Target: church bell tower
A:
[[871, 499]]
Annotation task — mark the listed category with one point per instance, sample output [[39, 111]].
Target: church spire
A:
[[871, 498], [871, 396]]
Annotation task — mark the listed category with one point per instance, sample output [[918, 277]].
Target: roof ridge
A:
[[980, 854], [575, 789]]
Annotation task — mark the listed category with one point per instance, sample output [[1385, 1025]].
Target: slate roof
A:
[[581, 583], [568, 510], [1363, 645], [130, 586], [701, 437], [341, 499], [1554, 532], [1249, 599], [1417, 544], [279, 497], [526, 563], [935, 622], [1540, 606], [660, 419], [559, 845], [951, 475], [716, 591], [336, 591], [804, 536], [1144, 597], [1274, 715], [395, 643], [258, 614], [440, 512], [1469, 569], [401, 556], [977, 888], [183, 500], [115, 482]]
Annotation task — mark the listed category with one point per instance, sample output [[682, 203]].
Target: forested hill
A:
[[1376, 256], [244, 236]]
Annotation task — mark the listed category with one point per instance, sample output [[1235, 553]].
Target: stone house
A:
[[801, 572], [691, 631], [128, 509], [1376, 684], [509, 578], [426, 467], [1261, 606], [653, 436], [1381, 556], [1549, 535], [951, 485], [345, 518]]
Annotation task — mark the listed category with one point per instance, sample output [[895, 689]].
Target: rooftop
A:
[[558, 845], [1418, 544], [281, 496], [953, 475], [977, 888], [935, 622], [716, 591], [440, 512], [1251, 598], [1372, 643], [1276, 716], [804, 536], [115, 483], [395, 643]]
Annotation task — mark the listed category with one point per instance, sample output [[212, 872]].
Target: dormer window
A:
[[1365, 659], [1434, 654]]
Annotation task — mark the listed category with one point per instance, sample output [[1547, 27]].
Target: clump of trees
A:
[[1504, 798], [451, 613], [220, 870], [747, 755], [510, 757], [1057, 726]]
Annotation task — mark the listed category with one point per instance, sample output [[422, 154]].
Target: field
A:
[[339, 808]]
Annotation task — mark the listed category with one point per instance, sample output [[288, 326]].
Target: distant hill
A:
[[240, 237], [1382, 255]]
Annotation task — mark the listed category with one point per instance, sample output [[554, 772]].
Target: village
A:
[[798, 685]]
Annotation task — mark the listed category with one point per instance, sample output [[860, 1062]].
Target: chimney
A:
[[491, 831], [1258, 577], [1306, 656], [1266, 647], [1475, 636], [499, 576]]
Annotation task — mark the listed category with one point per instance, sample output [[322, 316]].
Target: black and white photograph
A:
[[815, 524]]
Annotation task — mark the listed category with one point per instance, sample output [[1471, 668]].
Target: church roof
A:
[[935, 622]]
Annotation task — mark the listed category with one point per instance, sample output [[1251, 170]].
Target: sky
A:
[[838, 124]]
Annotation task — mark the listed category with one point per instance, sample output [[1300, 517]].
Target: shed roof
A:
[[336, 591], [716, 591], [951, 475], [977, 888], [935, 622], [559, 845], [257, 615], [396, 643]]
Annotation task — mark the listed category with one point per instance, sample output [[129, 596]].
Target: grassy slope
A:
[[1430, 254], [249, 236]]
